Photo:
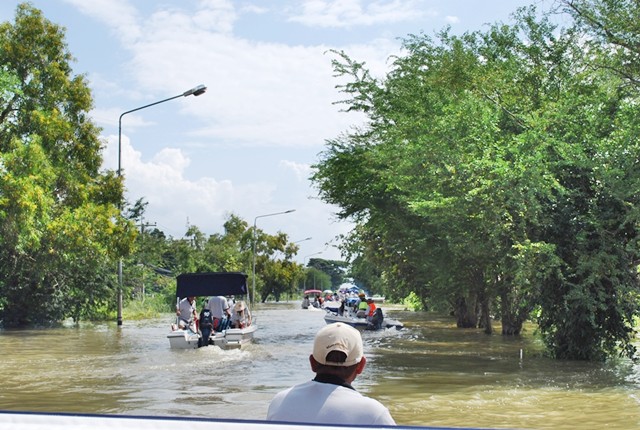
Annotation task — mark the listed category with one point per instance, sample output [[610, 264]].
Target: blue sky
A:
[[247, 145]]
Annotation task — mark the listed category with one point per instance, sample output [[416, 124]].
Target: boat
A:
[[205, 285], [349, 317], [308, 303], [30, 420]]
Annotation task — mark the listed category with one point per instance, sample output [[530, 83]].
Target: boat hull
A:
[[233, 338], [183, 339]]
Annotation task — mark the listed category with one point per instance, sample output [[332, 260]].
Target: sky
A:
[[247, 146]]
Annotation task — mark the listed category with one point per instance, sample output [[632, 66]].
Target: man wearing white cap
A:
[[329, 398]]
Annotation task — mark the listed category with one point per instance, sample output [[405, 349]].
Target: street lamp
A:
[[253, 264], [195, 91], [304, 264]]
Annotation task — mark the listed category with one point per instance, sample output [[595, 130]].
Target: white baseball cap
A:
[[338, 337]]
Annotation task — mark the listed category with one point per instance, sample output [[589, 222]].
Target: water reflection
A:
[[428, 374]]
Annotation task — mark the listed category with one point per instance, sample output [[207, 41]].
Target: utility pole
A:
[[142, 225]]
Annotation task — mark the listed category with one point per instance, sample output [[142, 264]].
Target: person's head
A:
[[191, 299], [239, 307], [369, 300], [337, 350]]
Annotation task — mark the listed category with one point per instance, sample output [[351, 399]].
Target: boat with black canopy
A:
[[206, 285]]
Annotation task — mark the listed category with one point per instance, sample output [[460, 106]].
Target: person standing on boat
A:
[[186, 311], [219, 307], [329, 398]]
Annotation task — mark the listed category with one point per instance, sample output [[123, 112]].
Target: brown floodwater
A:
[[428, 374]]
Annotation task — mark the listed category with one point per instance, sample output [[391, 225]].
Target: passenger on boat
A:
[[231, 300], [186, 312], [329, 398], [240, 317], [363, 307], [306, 302], [341, 308], [371, 309], [219, 308]]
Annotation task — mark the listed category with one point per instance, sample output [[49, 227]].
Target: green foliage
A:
[[151, 307], [497, 174], [336, 270], [413, 302], [58, 238]]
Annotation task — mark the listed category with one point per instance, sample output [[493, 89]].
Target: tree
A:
[[496, 174], [612, 29], [60, 230]]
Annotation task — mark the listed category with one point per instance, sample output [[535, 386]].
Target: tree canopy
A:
[[497, 175], [60, 232]]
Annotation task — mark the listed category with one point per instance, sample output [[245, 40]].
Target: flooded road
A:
[[429, 374]]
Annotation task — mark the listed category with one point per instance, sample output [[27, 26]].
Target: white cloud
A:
[[215, 15], [301, 171], [451, 19], [120, 15], [350, 13], [254, 8], [260, 94], [173, 198]]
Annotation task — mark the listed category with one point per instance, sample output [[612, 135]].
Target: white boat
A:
[[205, 285], [73, 421], [380, 323], [332, 305]]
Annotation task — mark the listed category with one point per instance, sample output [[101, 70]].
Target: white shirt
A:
[[218, 305], [323, 403], [186, 309]]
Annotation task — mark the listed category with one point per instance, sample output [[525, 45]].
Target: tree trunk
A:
[[485, 314], [511, 321], [466, 312]]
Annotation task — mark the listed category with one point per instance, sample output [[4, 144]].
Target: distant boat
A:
[[379, 322], [378, 299]]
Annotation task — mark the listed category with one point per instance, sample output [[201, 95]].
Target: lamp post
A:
[[304, 262], [253, 264], [195, 91]]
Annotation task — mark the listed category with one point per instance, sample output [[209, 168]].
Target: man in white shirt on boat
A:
[[219, 308], [329, 398], [186, 311]]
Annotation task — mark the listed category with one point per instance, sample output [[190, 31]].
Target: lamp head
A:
[[196, 91]]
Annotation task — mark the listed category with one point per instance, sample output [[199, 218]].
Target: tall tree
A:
[[58, 237], [496, 173]]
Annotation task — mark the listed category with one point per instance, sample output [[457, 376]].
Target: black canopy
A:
[[211, 284]]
